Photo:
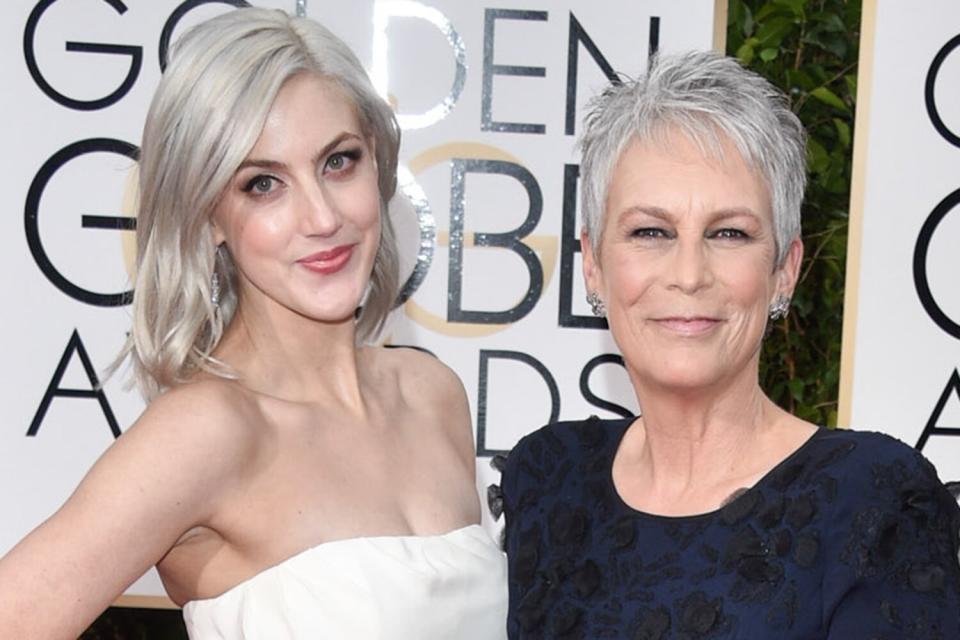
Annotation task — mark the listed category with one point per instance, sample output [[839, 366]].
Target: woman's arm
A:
[[896, 573], [157, 481]]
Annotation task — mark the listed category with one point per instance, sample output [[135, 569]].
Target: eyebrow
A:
[[264, 163], [663, 214]]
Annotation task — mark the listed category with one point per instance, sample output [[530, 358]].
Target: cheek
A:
[[626, 276], [751, 281]]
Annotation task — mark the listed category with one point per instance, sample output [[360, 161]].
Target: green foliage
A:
[[808, 48]]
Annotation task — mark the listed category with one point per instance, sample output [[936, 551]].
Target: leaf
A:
[[772, 10], [851, 81], [818, 157], [772, 32], [795, 6], [843, 132], [745, 53], [828, 97], [796, 388], [769, 54]]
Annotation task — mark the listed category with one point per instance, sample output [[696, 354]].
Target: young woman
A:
[[286, 481]]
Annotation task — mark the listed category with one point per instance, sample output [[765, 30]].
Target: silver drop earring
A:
[[596, 305], [780, 308], [215, 289]]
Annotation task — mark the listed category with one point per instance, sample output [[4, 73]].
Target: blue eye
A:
[[260, 185], [342, 160]]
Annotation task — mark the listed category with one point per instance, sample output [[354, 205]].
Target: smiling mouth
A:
[[689, 327], [328, 262]]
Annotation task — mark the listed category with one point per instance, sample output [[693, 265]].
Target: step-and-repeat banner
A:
[[490, 96], [902, 311]]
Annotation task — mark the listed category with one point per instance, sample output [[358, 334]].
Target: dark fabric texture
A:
[[851, 537]]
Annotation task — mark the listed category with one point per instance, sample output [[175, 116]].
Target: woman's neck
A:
[[696, 446], [283, 354]]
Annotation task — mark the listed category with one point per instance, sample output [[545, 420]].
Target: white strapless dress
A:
[[451, 586]]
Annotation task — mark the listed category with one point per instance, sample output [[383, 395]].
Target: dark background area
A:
[[809, 49]]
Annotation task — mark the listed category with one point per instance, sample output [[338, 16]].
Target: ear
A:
[[789, 272], [591, 269], [216, 233]]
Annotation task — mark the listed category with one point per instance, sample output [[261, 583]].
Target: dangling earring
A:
[[215, 290], [596, 305], [780, 308]]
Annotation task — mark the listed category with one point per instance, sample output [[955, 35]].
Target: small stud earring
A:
[[780, 308], [596, 305]]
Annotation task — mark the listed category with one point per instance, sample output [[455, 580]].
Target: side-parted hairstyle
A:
[[706, 97], [206, 116]]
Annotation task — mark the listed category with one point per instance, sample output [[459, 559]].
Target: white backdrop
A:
[[902, 311], [489, 99]]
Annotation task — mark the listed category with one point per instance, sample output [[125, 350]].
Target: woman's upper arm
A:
[[897, 571], [158, 480]]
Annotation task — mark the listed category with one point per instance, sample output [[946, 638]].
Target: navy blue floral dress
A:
[[851, 537]]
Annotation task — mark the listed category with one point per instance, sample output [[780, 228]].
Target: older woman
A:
[[715, 514], [287, 480]]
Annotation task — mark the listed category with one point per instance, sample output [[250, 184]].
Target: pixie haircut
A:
[[206, 115], [706, 97]]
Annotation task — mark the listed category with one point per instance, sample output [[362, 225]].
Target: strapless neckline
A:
[[329, 546], [436, 587]]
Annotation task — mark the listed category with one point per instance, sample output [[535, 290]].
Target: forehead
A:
[[307, 109], [674, 173]]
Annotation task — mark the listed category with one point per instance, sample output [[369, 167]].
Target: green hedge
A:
[[809, 49]]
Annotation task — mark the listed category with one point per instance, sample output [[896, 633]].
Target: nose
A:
[[318, 211], [690, 268]]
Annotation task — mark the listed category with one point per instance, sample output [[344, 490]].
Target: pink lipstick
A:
[[689, 327], [328, 262]]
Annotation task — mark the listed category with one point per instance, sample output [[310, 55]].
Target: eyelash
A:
[[649, 233], [351, 156], [652, 233], [249, 186], [730, 234]]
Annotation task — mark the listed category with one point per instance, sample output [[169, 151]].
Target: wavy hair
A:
[[205, 117], [705, 96]]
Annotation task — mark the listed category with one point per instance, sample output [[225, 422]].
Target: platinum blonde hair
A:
[[706, 97], [206, 115]]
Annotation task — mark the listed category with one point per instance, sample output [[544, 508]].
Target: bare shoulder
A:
[[431, 388], [422, 377], [208, 421], [205, 410]]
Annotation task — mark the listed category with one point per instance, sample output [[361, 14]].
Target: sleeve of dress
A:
[[510, 490], [894, 571]]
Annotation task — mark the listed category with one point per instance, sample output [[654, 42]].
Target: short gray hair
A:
[[206, 116], [705, 96]]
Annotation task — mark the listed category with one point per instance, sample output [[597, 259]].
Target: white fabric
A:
[[450, 586]]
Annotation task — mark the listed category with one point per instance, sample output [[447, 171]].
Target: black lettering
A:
[[490, 69], [135, 53], [32, 211], [75, 345], [511, 240], [920, 281], [570, 246], [185, 7], [653, 40], [578, 36], [593, 398], [485, 357], [932, 429], [930, 86]]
